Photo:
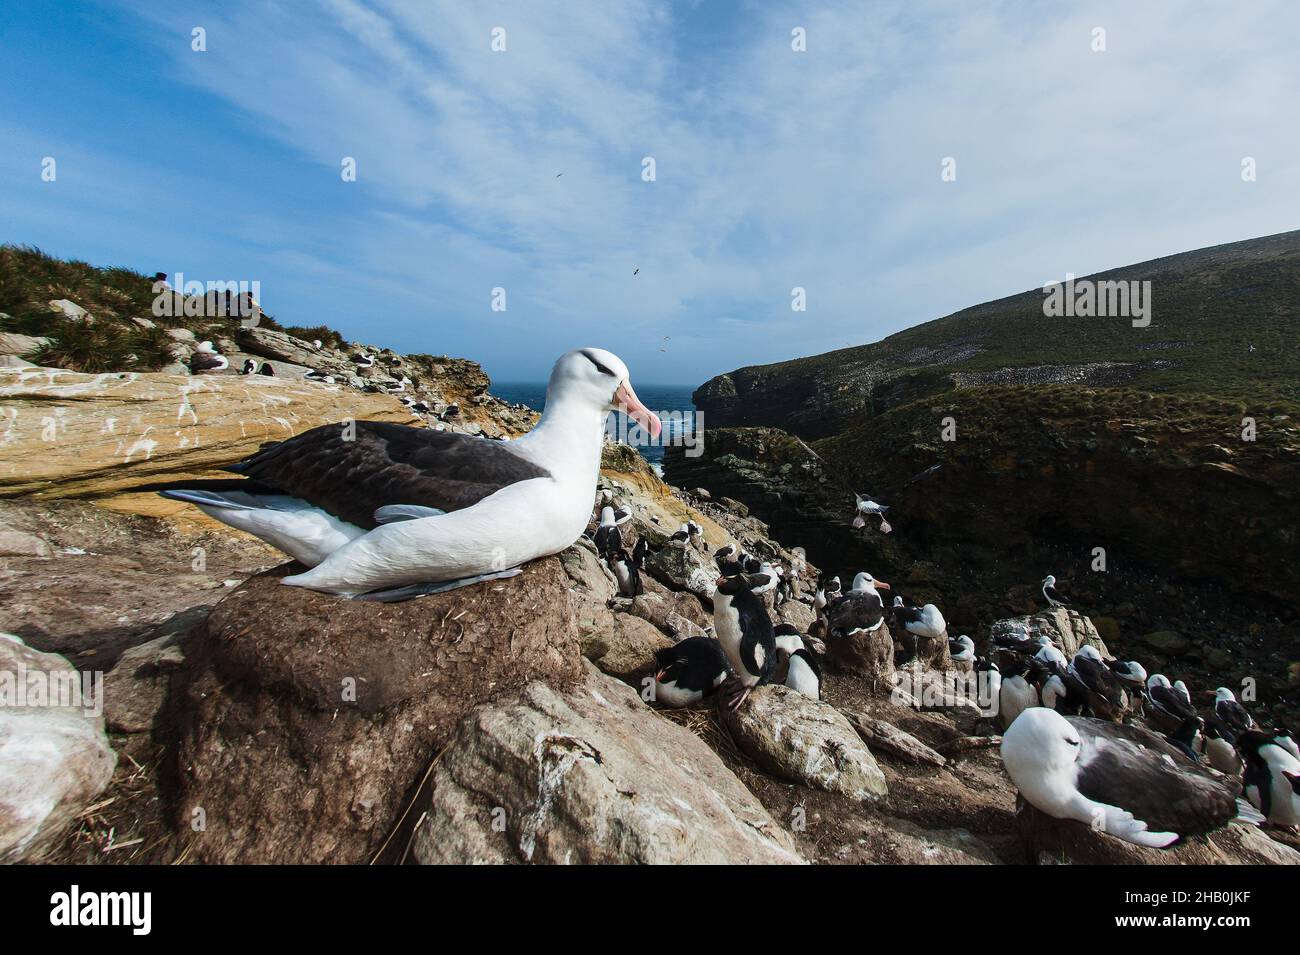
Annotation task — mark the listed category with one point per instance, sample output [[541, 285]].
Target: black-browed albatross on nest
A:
[[391, 512], [1120, 779]]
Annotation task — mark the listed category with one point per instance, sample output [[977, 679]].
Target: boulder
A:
[[1068, 629], [624, 646], [807, 741], [866, 655], [69, 310], [136, 689], [70, 434], [591, 775], [683, 568], [307, 719], [1051, 841], [11, 343], [888, 738], [268, 343], [54, 759], [586, 571]]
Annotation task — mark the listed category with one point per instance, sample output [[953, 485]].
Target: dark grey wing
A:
[[1171, 701], [1134, 769], [386, 464], [855, 610], [1234, 714], [1099, 679]]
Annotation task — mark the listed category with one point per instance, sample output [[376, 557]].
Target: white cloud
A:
[[776, 168]]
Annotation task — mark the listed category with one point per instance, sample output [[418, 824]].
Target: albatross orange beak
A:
[[881, 585], [625, 400]]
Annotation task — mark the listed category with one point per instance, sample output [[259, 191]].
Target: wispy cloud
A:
[[775, 168]]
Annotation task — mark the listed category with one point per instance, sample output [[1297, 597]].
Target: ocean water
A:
[[671, 402]]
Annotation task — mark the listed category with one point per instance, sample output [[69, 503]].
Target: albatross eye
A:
[[1072, 742], [599, 367]]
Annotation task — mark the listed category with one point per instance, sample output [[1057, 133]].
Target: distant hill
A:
[[1208, 307]]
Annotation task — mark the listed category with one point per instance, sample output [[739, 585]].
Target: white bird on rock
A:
[[382, 511], [1121, 779]]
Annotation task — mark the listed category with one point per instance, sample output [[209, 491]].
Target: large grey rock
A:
[[807, 741], [888, 738], [69, 309], [591, 775], [54, 759], [1068, 629], [11, 343], [683, 568], [268, 343]]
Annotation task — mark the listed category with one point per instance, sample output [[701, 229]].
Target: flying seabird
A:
[[1049, 592], [689, 671], [371, 506], [1232, 713], [745, 632], [1120, 779], [865, 506]]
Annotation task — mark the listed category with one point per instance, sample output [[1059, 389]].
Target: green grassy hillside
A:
[[1208, 308]]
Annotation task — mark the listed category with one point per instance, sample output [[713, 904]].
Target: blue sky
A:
[[775, 168]]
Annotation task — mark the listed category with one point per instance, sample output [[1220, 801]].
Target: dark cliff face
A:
[[1071, 434]]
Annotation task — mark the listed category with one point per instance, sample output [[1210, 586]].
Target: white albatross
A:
[[388, 512], [1121, 779]]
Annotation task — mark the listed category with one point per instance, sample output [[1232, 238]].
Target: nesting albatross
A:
[[1120, 779], [391, 512]]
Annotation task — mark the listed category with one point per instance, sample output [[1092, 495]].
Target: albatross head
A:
[[598, 377]]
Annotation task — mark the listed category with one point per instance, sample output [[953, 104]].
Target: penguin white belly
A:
[[726, 627], [1285, 808], [624, 579], [1016, 696], [517, 524], [670, 694], [800, 677]]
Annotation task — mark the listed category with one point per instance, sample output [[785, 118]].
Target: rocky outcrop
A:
[[1068, 629], [54, 756], [66, 434], [307, 720], [591, 775], [806, 741]]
